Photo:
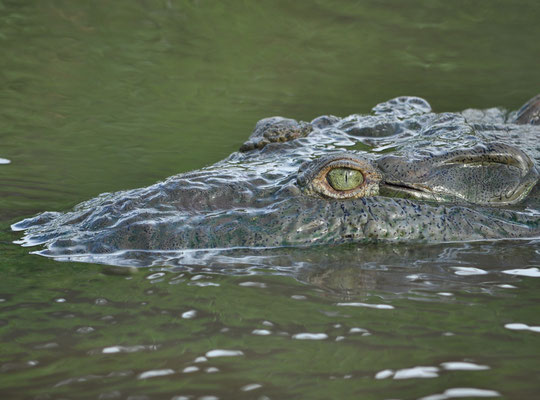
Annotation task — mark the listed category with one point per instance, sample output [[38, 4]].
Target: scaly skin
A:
[[424, 177]]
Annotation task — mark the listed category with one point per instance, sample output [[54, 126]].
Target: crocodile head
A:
[[402, 173]]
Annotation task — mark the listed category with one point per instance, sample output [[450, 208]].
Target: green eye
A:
[[344, 178]]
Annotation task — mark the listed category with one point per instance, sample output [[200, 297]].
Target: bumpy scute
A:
[[275, 129]]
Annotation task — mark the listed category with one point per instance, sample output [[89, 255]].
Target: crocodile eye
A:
[[340, 176], [344, 178]]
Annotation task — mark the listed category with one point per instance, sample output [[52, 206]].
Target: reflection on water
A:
[[103, 97], [352, 270], [360, 319]]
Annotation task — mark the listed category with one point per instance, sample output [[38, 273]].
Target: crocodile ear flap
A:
[[529, 113], [274, 130]]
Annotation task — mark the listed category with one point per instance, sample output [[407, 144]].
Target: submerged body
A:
[[402, 173]]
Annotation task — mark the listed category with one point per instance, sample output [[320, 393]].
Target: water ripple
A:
[[522, 327], [128, 349], [462, 392], [531, 272], [310, 336], [224, 353], [155, 373], [378, 306], [462, 366]]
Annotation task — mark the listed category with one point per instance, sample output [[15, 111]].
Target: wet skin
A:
[[402, 173]]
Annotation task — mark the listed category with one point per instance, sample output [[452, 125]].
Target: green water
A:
[[103, 96]]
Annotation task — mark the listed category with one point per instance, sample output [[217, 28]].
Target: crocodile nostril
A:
[[493, 174], [529, 113], [494, 153]]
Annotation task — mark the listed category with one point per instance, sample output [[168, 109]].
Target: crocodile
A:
[[401, 173]]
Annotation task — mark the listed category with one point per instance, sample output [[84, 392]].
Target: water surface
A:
[[100, 96]]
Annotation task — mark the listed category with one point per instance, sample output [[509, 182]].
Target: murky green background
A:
[[101, 96]]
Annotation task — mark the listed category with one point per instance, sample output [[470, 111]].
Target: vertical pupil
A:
[[343, 178]]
